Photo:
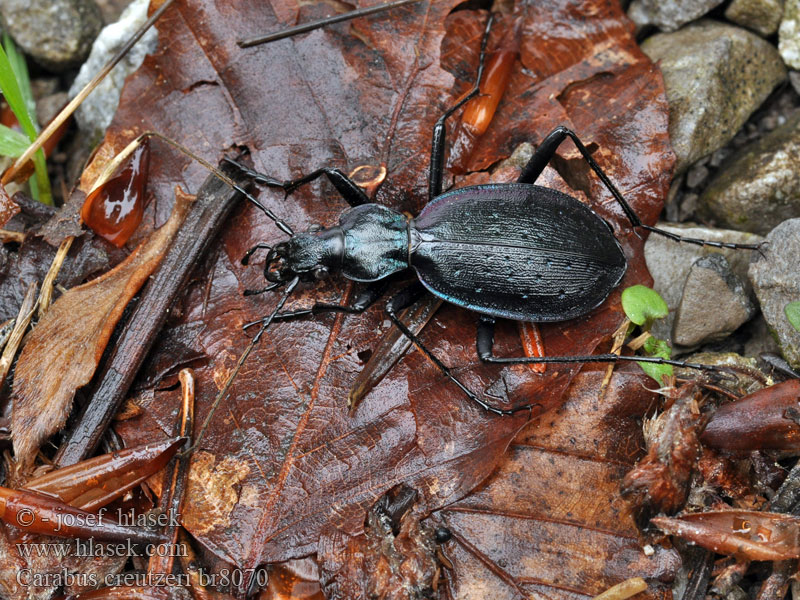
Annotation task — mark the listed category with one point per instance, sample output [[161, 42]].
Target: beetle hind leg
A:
[[407, 297], [547, 149], [485, 342]]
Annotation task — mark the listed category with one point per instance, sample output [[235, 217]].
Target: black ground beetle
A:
[[515, 251]]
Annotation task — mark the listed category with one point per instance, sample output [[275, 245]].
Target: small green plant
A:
[[16, 87], [792, 312], [643, 306]]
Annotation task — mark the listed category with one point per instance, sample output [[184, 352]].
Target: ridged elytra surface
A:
[[517, 251]]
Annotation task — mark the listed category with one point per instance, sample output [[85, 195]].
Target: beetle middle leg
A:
[[365, 298], [405, 298], [545, 152]]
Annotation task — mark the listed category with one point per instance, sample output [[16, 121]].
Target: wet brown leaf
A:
[[283, 464], [551, 522], [62, 352]]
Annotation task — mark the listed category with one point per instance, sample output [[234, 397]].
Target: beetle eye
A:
[[320, 273]]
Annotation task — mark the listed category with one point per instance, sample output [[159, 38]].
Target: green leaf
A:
[[643, 305], [12, 142], [792, 312], [660, 348]]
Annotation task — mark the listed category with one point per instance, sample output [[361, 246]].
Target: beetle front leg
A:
[[547, 149], [406, 298], [436, 167]]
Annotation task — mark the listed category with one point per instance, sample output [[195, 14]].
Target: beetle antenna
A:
[[280, 223], [265, 322], [311, 25]]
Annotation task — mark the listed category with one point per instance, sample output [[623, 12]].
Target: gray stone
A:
[[762, 16], [715, 76], [668, 15], [789, 34], [776, 280], [56, 33], [96, 112], [714, 303], [759, 188], [669, 263]]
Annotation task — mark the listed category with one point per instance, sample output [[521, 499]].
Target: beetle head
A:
[[311, 256]]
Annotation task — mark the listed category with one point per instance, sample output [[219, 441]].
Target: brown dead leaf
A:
[[62, 352], [283, 464], [551, 522]]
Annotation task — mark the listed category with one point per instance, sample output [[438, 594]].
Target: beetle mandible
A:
[[516, 251]]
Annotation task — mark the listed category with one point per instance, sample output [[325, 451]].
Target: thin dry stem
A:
[[46, 295], [626, 589], [23, 319], [11, 236]]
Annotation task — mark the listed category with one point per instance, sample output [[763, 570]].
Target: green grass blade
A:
[[20, 68], [16, 98]]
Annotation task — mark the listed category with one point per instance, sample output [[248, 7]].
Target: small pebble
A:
[[58, 34]]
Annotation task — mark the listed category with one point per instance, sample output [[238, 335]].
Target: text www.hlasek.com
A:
[[93, 548]]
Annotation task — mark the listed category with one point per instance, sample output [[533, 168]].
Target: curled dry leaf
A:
[[97, 481], [32, 512], [768, 419], [746, 534], [62, 352]]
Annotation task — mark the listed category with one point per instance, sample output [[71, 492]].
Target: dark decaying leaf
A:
[[282, 463], [63, 350], [660, 481]]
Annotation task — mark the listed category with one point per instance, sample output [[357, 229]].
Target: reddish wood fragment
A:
[[294, 580], [532, 344], [478, 112], [764, 420], [97, 481], [746, 534]]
